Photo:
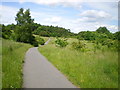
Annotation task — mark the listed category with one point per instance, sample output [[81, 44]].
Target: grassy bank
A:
[[0, 63], [12, 60], [84, 69]]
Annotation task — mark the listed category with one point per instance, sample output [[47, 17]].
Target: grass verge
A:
[[84, 69], [12, 60], [0, 63]]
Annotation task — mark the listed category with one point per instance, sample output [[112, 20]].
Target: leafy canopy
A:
[[24, 28]]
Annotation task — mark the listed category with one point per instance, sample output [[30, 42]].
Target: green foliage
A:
[[23, 17], [99, 36], [87, 35], [0, 63], [35, 44], [84, 69], [52, 31], [24, 27], [0, 30], [40, 40], [68, 61], [12, 36], [61, 42], [79, 37], [102, 30], [79, 46], [117, 35], [13, 54], [97, 46], [7, 31], [24, 34], [111, 44]]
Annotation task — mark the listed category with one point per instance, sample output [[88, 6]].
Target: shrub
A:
[[12, 37], [61, 43], [35, 44], [113, 44], [40, 40], [97, 46], [79, 46], [106, 44]]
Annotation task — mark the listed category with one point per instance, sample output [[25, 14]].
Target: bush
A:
[[40, 40], [106, 44], [113, 44], [12, 37], [97, 46], [35, 44], [79, 46], [61, 43]]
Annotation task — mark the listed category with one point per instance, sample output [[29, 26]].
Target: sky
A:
[[76, 15]]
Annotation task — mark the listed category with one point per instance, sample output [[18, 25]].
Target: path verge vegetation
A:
[[12, 63], [0, 63], [87, 69]]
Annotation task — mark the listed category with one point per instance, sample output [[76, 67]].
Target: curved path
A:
[[38, 72], [47, 41]]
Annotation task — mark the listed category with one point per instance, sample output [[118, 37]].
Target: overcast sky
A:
[[75, 15]]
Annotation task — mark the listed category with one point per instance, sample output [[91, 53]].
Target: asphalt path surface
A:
[[38, 72]]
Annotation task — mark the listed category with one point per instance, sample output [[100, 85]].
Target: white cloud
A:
[[21, 1], [66, 0], [65, 3], [109, 7], [45, 18], [94, 16], [46, 2], [7, 14], [53, 19], [95, 13]]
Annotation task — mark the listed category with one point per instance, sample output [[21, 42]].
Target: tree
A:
[[6, 31], [87, 35], [24, 27], [53, 31], [117, 35], [0, 30], [103, 30]]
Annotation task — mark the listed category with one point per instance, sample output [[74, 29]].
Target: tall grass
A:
[[84, 69], [12, 63], [0, 63]]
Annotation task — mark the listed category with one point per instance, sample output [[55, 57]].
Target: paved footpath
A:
[[38, 72]]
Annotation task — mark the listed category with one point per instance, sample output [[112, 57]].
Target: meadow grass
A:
[[84, 69], [12, 63], [0, 63]]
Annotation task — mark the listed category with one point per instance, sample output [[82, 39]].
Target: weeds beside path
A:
[[12, 63], [84, 69]]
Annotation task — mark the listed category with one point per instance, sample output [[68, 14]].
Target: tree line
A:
[[25, 29]]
